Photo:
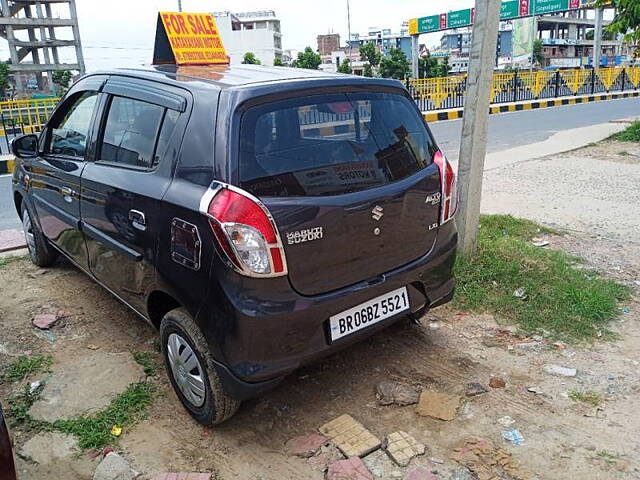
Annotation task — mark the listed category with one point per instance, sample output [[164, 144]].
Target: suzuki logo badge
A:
[[378, 212]]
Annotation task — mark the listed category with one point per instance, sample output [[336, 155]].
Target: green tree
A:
[[307, 59], [369, 53], [367, 70], [430, 67], [606, 35], [250, 58], [396, 65], [277, 62], [626, 20], [344, 67], [538, 53], [4, 78], [62, 79]]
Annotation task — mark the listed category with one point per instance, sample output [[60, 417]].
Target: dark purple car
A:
[[7, 467], [260, 218]]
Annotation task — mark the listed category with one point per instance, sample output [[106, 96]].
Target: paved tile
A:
[[350, 436], [402, 447], [438, 405], [351, 469], [11, 240], [306, 446]]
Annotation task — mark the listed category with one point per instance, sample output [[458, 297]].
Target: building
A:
[[328, 43], [456, 44], [257, 32], [384, 38], [34, 32], [567, 39]]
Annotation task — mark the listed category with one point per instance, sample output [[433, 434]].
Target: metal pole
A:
[[415, 54], [597, 38], [349, 28], [179, 5], [473, 146], [534, 31]]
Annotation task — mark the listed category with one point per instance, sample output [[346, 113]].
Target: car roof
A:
[[233, 76]]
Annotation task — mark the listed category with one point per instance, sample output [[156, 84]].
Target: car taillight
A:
[[449, 187], [246, 233]]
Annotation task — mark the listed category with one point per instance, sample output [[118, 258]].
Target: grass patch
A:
[[25, 366], [570, 303], [127, 409], [630, 134], [148, 362], [7, 260], [610, 458], [589, 397], [18, 411]]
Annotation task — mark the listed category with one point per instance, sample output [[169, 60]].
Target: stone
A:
[[560, 371], [420, 473], [45, 321], [350, 436], [379, 464], [49, 448], [473, 389], [350, 469], [114, 467], [439, 405], [402, 447], [305, 446], [86, 384], [325, 457], [182, 476], [396, 393], [497, 382]]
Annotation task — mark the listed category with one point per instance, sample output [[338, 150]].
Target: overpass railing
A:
[[449, 92]]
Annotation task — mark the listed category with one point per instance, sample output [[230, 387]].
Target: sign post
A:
[[188, 39]]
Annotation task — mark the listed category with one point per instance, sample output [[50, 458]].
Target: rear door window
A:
[[331, 144]]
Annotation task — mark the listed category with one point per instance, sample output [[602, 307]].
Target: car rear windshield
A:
[[331, 144]]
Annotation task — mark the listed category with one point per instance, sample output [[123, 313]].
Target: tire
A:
[[178, 334], [40, 251]]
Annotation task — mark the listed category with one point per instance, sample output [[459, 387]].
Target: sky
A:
[[120, 33]]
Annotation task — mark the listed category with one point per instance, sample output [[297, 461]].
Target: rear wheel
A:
[[191, 370], [40, 251]]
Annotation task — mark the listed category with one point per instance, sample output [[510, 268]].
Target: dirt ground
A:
[[563, 438]]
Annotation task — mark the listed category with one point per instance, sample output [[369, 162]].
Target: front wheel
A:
[[191, 371], [41, 252]]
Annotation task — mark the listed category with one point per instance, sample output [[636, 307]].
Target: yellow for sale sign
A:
[[188, 39]]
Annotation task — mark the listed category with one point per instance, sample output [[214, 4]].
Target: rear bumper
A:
[[274, 331]]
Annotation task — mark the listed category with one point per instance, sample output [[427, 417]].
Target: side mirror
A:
[[25, 146]]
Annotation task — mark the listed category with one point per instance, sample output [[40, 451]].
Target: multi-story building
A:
[[257, 32], [384, 38], [328, 43]]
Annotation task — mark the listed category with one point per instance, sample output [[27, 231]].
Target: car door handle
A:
[[67, 194], [138, 220]]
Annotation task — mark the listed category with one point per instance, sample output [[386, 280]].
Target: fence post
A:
[[515, 86], [557, 84], [624, 77], [593, 81]]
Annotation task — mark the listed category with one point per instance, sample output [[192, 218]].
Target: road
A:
[[506, 131]]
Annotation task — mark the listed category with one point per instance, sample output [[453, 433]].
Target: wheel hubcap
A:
[[186, 370], [27, 227]]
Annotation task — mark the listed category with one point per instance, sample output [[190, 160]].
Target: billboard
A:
[[523, 39]]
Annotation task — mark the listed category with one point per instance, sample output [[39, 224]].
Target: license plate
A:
[[368, 313]]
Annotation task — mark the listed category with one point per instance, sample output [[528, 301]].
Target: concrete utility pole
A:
[[473, 147], [597, 38], [179, 5]]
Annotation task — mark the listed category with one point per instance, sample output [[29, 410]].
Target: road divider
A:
[[456, 113]]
